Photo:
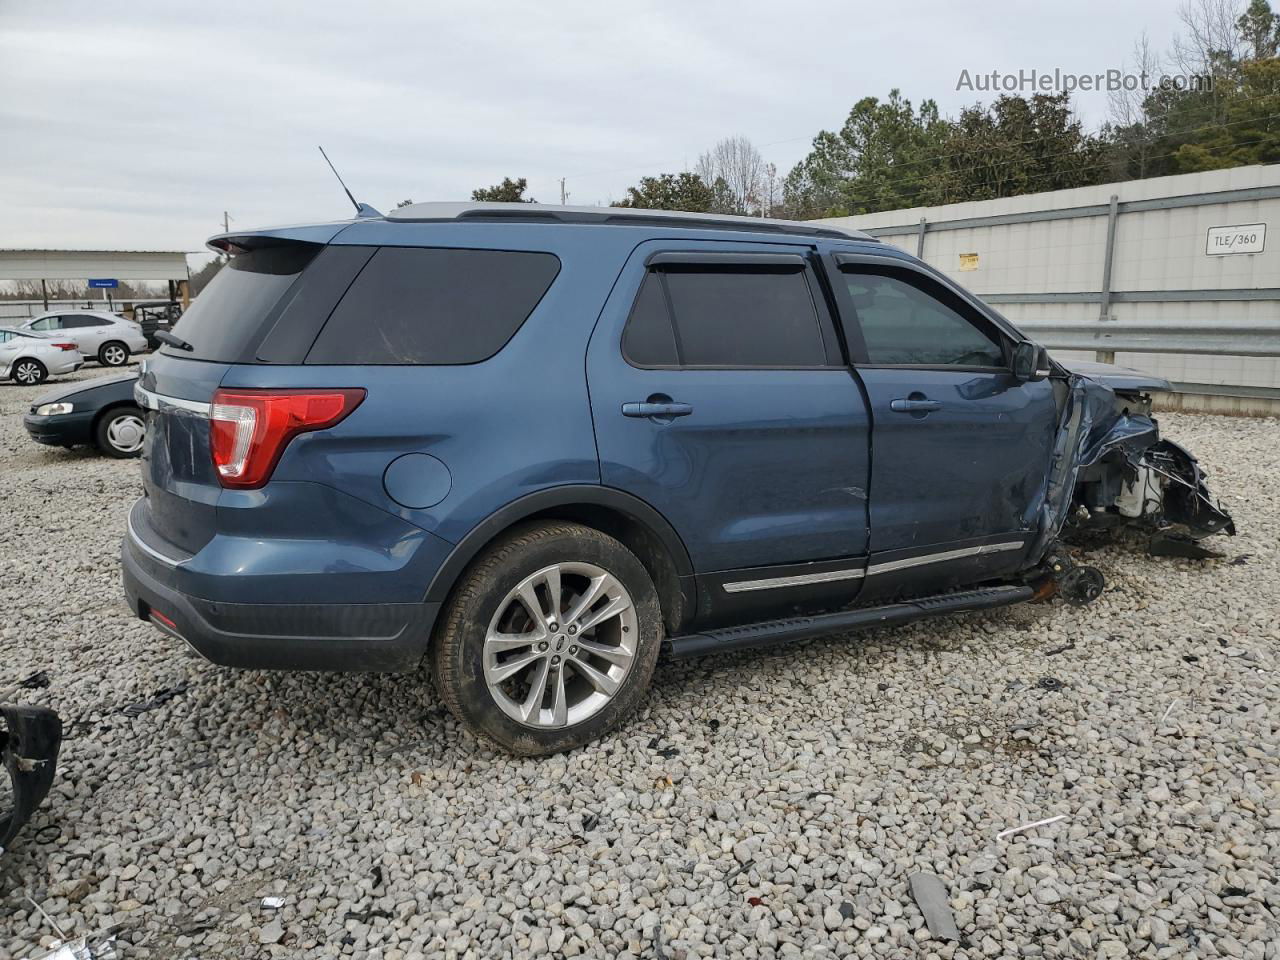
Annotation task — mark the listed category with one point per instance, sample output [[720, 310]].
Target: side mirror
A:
[[1030, 361]]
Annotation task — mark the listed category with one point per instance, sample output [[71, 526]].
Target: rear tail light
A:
[[249, 429], [66, 346]]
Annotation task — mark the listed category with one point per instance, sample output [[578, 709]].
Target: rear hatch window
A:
[[231, 312]]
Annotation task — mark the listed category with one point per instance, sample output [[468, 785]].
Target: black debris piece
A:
[[29, 742], [377, 876], [590, 822], [1069, 645], [158, 699], [37, 681], [1234, 892], [846, 910], [1190, 658], [713, 724], [1050, 683], [1241, 560], [668, 752], [1175, 545]]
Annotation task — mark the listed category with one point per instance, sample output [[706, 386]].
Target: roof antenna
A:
[[362, 209]]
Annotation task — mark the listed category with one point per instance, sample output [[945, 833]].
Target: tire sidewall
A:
[[492, 583]]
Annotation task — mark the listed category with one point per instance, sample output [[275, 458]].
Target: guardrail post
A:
[[924, 225], [1108, 256]]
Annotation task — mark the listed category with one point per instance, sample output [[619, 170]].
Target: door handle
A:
[[650, 408], [915, 405]]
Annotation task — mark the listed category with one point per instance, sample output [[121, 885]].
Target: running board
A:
[[771, 632]]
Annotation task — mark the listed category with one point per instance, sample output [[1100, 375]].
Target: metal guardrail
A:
[[1236, 340]]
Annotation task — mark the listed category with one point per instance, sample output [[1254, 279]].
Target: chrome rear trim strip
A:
[[145, 547], [889, 566], [157, 401], [831, 576]]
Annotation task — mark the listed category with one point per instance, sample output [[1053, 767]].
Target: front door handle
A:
[[665, 409], [916, 403]]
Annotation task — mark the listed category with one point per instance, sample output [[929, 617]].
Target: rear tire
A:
[[120, 432], [28, 372], [551, 682], [113, 353]]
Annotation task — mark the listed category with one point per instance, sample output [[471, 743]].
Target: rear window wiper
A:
[[164, 336]]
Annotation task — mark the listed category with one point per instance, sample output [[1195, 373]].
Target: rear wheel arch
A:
[[631, 521]]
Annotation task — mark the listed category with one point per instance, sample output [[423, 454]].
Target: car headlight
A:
[[52, 409]]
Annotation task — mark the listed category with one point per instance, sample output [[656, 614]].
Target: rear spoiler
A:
[[243, 241]]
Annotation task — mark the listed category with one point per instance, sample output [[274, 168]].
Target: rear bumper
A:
[[278, 636]]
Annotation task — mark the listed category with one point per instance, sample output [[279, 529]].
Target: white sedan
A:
[[29, 359], [106, 337]]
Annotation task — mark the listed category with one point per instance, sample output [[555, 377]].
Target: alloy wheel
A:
[[27, 373], [115, 355], [560, 645]]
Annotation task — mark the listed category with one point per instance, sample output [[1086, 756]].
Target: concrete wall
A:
[[1051, 247]]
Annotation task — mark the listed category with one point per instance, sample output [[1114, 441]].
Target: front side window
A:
[[725, 317], [424, 305], [902, 324], [47, 323]]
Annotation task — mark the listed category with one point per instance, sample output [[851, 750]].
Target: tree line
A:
[[891, 154]]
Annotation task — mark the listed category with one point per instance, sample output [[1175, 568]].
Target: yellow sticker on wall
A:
[[968, 261]]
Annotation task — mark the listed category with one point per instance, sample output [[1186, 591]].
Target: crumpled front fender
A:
[[29, 742]]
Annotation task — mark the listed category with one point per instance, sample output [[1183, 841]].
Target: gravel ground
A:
[[760, 805]]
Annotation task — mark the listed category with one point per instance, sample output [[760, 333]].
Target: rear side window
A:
[[230, 312], [418, 305], [745, 318]]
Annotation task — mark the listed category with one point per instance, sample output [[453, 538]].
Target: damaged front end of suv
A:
[[1113, 470]]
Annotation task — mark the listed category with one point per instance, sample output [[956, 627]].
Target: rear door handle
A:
[[650, 408], [914, 405]]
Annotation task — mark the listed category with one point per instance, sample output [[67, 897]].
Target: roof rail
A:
[[623, 216]]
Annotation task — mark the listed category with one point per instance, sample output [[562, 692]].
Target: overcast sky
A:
[[134, 125]]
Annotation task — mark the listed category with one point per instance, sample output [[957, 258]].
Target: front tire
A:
[[29, 373], [120, 432], [549, 640], [113, 353]]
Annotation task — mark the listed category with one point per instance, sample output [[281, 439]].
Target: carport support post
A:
[[1104, 312], [924, 226], [44, 292]]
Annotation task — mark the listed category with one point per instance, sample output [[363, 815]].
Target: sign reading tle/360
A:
[[102, 283], [1246, 238]]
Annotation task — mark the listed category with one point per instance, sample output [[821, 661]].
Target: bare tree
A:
[[1211, 34], [737, 164]]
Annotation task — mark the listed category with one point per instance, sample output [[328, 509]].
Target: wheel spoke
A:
[[505, 671], [615, 655], [537, 690], [598, 587], [552, 579], [529, 597], [503, 642], [614, 607], [601, 681], [559, 700]]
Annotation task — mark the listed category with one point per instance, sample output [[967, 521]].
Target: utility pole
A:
[[564, 197], [226, 222]]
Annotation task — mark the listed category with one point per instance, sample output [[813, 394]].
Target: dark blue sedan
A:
[[101, 412]]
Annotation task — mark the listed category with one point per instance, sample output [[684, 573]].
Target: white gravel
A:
[[760, 805]]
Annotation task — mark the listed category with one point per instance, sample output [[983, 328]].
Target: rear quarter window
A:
[[232, 310], [430, 305]]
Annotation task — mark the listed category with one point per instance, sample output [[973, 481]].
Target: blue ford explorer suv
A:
[[535, 445]]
